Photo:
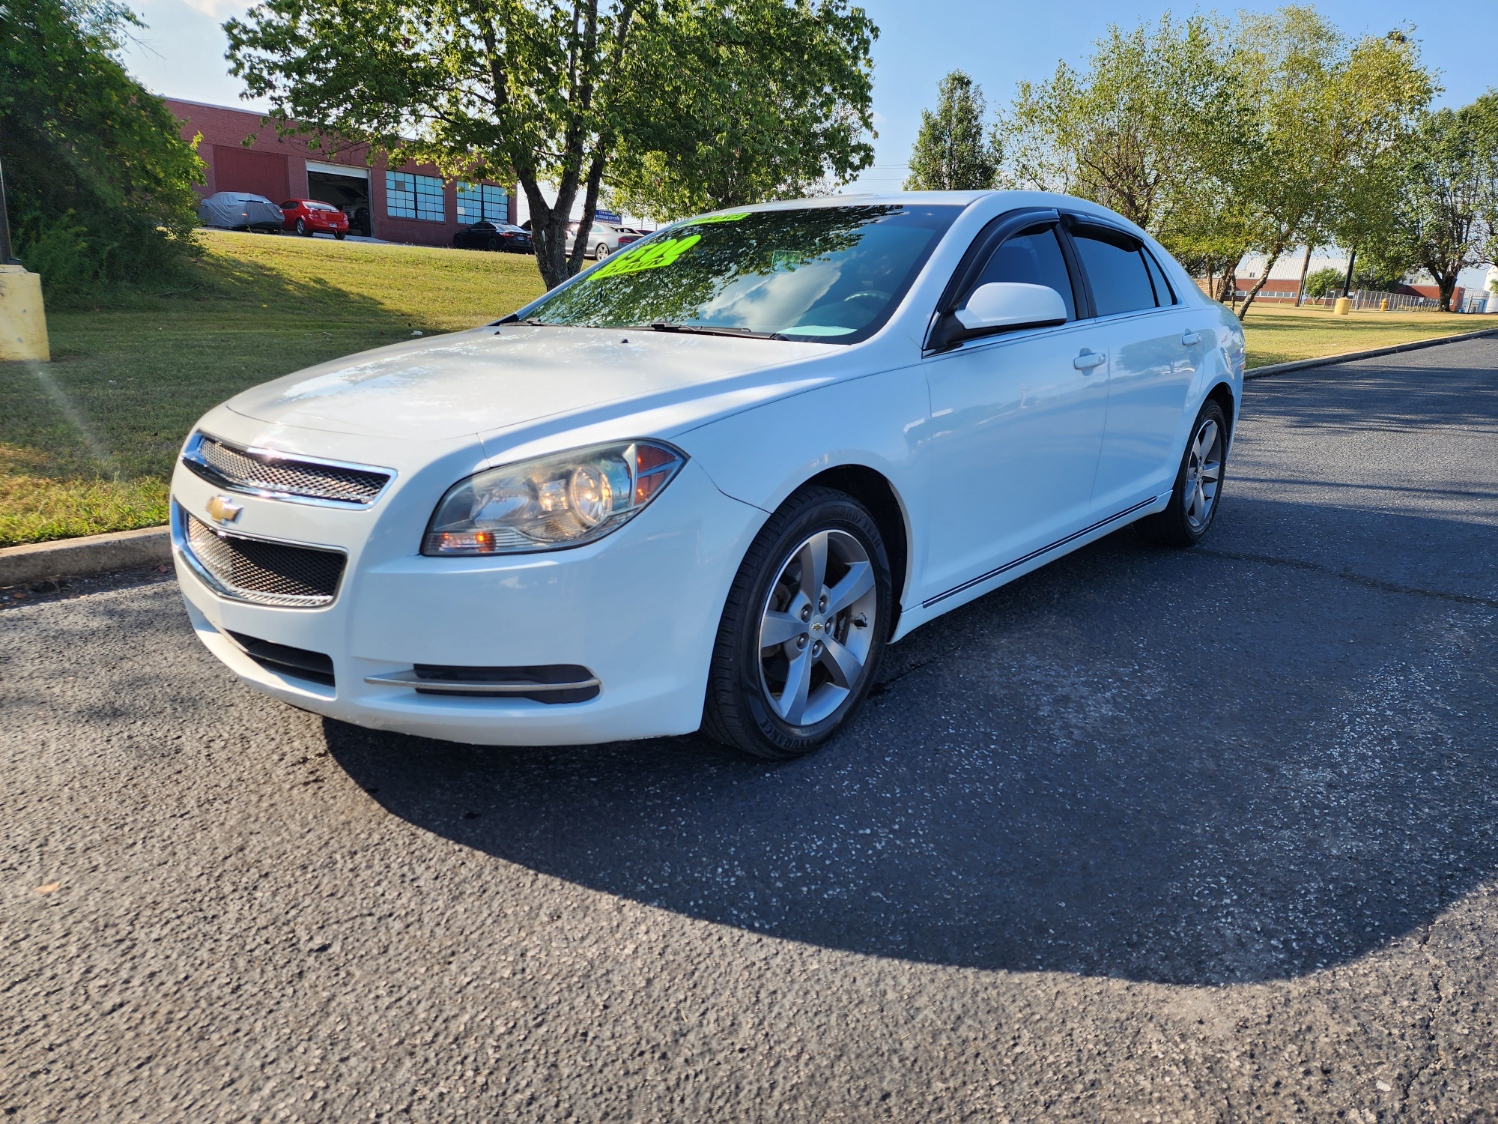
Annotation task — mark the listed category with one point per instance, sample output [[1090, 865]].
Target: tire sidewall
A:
[[1210, 409], [840, 514]]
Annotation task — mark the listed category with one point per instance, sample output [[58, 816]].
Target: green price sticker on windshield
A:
[[651, 255], [705, 219]]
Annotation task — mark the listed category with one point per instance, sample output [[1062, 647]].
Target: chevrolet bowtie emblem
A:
[[224, 509]]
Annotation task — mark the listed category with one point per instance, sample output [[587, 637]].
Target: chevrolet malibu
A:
[[706, 482]]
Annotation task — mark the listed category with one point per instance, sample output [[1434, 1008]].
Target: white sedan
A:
[[705, 483]]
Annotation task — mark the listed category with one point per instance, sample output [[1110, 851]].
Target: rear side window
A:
[[1163, 294], [1031, 258], [1116, 269]]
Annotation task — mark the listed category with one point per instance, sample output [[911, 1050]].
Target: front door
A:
[[1016, 427]]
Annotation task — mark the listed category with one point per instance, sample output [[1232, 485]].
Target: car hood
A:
[[493, 378]]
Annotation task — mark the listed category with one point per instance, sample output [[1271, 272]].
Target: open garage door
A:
[[347, 188]]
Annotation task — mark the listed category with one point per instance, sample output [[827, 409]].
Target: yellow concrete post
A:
[[1342, 307], [23, 321]]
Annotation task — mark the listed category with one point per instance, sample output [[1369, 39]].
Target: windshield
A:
[[826, 273]]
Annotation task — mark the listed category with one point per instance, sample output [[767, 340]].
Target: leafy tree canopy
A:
[[561, 90], [724, 129], [99, 180], [1324, 282], [1446, 216], [1219, 138], [1139, 130], [953, 152]]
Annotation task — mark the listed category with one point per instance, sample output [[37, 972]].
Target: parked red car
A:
[[313, 216]]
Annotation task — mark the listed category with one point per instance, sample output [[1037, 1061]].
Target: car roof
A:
[[1011, 199]]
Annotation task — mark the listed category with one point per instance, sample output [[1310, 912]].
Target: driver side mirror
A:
[[1011, 304]]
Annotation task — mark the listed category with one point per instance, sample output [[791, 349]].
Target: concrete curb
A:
[[99, 554], [84, 557], [1302, 364]]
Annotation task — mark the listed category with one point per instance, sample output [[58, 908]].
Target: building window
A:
[[413, 197], [478, 201]]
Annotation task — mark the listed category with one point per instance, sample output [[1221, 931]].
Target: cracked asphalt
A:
[[1146, 835]]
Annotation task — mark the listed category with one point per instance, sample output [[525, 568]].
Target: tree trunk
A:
[[1347, 281], [1258, 285], [1448, 287], [1305, 267]]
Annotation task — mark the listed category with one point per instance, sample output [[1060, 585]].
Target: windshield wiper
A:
[[710, 330]]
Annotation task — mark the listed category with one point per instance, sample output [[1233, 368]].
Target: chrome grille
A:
[[268, 573], [254, 470]]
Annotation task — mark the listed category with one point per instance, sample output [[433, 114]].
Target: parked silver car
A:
[[603, 239]]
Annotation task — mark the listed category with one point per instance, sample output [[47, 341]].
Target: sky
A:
[[181, 51]]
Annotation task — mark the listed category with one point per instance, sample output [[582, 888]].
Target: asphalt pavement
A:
[[1146, 835]]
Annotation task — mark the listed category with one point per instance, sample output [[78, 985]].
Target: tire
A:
[[301, 227], [743, 708], [493, 244], [340, 234], [600, 251], [1185, 522]]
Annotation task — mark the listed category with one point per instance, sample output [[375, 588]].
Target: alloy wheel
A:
[[817, 628], [1203, 474]]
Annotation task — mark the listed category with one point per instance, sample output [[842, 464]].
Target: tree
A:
[[555, 90], [100, 181], [1449, 212], [1143, 129], [1323, 282], [952, 151], [723, 131], [1326, 111]]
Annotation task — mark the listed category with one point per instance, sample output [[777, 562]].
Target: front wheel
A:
[[1193, 500], [803, 629]]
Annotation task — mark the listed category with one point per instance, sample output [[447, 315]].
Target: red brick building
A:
[[407, 203]]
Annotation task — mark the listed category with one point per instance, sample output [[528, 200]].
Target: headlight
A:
[[551, 502]]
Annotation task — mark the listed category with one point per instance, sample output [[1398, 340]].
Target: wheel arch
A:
[[1222, 394], [876, 492]]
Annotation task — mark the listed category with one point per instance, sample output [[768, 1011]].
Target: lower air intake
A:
[[267, 573]]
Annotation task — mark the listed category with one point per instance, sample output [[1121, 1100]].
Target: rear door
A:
[[1152, 357]]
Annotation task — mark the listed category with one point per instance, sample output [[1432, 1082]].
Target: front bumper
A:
[[638, 609]]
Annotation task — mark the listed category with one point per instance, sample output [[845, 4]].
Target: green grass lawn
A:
[[1280, 335], [87, 441]]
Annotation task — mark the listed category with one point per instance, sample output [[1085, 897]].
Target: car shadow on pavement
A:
[[1194, 767]]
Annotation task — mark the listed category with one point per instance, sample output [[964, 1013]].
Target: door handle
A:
[[1088, 360], [1190, 339]]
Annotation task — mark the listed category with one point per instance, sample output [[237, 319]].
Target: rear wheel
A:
[[1193, 500], [340, 234], [601, 251], [803, 629], [301, 227]]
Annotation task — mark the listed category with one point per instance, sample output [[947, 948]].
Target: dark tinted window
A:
[[1033, 258], [1116, 269], [1163, 294]]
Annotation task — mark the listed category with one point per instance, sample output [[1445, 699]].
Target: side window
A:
[[1115, 267], [1033, 258], [1164, 296]]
